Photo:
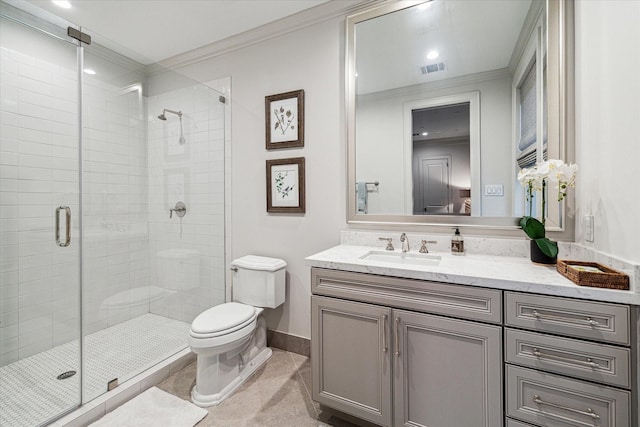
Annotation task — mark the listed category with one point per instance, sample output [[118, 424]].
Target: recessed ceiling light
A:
[[433, 54], [425, 133], [89, 71], [62, 3]]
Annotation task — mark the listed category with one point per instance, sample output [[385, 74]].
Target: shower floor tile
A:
[[31, 394]]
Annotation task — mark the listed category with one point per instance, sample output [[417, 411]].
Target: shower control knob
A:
[[180, 210]]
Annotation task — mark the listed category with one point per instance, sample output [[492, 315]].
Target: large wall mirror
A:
[[447, 100]]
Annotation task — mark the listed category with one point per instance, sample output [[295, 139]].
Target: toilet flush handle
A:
[[234, 269]]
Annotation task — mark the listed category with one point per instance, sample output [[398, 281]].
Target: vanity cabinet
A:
[[382, 351], [447, 372], [351, 367], [571, 364]]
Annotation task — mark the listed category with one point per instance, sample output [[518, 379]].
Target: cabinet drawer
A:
[[551, 400], [582, 319], [514, 423], [590, 361], [461, 301]]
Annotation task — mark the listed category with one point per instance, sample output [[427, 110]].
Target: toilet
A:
[[230, 340]]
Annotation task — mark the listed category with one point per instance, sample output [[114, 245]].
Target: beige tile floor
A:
[[278, 394]]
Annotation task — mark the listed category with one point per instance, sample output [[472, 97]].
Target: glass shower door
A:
[[39, 233]]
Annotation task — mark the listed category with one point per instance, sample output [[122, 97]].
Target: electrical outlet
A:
[[588, 228]]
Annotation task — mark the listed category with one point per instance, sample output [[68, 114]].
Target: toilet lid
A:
[[222, 317]]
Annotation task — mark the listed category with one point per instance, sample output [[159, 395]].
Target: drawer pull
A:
[[384, 333], [589, 362], [589, 412], [397, 337], [538, 316]]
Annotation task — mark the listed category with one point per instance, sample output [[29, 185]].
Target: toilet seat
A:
[[222, 319]]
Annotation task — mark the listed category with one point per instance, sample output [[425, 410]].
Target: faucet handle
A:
[[423, 248], [389, 243], [180, 210]]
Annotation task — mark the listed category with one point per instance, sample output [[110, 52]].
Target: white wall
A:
[[607, 118], [380, 151], [309, 59], [608, 124]]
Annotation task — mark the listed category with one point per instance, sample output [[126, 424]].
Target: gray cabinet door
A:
[[350, 360], [447, 372]]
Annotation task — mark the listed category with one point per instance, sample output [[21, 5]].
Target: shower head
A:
[[163, 116], [166, 110]]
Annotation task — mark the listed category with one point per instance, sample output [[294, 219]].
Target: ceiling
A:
[[469, 36], [443, 122], [150, 31]]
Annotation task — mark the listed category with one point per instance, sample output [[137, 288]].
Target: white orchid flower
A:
[[523, 175], [553, 171], [563, 175]]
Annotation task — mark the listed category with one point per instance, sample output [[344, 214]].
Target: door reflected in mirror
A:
[[441, 94], [440, 159]]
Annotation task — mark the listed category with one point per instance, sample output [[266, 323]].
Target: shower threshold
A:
[[31, 393]]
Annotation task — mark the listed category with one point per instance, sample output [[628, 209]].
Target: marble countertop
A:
[[498, 272]]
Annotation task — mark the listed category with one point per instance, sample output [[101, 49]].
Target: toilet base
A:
[[206, 400]]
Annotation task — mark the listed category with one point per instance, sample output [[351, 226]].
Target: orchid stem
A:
[[544, 185]]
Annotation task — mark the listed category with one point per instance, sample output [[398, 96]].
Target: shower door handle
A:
[[67, 240]]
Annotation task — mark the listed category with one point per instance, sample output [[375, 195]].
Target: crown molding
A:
[[423, 88], [305, 18]]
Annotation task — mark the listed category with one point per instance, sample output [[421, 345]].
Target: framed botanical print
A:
[[285, 185], [284, 119]]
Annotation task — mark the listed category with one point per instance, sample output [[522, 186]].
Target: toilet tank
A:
[[259, 281]]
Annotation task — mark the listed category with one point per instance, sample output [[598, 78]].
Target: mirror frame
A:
[[560, 127]]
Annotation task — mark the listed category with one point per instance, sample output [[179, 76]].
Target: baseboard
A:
[[288, 342]]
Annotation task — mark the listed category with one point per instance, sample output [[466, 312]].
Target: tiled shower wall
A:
[[114, 149], [39, 291], [136, 259], [187, 254], [39, 298]]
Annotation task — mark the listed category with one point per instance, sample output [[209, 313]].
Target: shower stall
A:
[[111, 214]]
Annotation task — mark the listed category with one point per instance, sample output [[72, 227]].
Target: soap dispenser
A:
[[457, 243]]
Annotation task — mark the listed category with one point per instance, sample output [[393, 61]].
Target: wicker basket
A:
[[605, 278]]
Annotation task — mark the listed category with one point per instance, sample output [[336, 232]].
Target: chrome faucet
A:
[[405, 242]]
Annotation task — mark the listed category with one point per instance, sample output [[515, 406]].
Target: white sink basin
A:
[[403, 258]]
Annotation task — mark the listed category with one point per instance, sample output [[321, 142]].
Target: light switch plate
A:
[[494, 190]]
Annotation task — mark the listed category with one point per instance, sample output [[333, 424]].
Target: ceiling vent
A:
[[433, 68]]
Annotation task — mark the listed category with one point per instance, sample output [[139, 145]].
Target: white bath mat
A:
[[153, 408]]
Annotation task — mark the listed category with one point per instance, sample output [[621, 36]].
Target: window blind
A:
[[528, 110]]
